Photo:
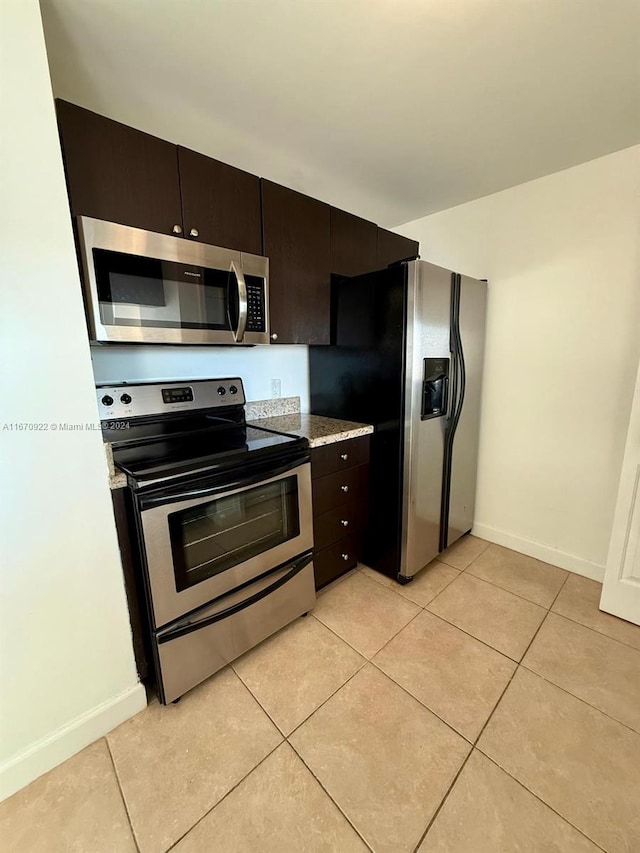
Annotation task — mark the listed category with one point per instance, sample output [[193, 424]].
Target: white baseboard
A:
[[571, 562], [61, 744]]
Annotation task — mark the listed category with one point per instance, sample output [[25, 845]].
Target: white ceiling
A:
[[390, 108]]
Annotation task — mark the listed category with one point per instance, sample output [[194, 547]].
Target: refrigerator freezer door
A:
[[427, 337], [473, 299]]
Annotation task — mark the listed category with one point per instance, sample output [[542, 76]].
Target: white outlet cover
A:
[[276, 387]]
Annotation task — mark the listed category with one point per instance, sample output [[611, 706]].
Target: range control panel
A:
[[118, 402]]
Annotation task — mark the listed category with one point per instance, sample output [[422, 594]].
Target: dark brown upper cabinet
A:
[[220, 204], [353, 244], [296, 234], [117, 173], [393, 247]]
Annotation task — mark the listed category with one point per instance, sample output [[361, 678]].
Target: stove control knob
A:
[[222, 390], [107, 400], [126, 399], [233, 389]]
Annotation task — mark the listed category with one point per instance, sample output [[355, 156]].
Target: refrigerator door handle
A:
[[457, 401]]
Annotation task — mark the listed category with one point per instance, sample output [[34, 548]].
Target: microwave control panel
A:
[[255, 304]]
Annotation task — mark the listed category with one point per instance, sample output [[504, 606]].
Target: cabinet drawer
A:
[[336, 524], [342, 487], [336, 457], [335, 560]]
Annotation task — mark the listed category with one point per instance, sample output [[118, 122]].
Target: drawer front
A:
[[336, 524], [335, 560], [336, 457], [342, 487]]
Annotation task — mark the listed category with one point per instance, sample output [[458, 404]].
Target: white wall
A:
[[256, 366], [563, 337], [68, 672]]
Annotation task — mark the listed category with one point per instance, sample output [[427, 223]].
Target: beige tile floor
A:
[[487, 707]]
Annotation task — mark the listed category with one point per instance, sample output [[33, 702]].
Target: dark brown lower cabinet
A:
[[340, 482]]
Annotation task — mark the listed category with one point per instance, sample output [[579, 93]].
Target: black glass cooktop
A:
[[172, 447]]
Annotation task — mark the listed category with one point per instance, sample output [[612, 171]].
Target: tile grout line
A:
[[358, 833], [401, 587], [539, 798], [222, 799], [522, 665], [365, 661], [122, 796], [255, 699], [517, 594], [386, 674], [442, 801], [595, 630], [477, 748], [508, 591], [473, 637], [420, 702], [335, 633], [580, 699], [473, 745]]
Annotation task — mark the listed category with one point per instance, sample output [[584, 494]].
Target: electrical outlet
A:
[[276, 387]]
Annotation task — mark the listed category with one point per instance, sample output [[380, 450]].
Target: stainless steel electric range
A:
[[221, 516]]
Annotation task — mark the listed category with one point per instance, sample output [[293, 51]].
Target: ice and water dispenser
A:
[[435, 388]]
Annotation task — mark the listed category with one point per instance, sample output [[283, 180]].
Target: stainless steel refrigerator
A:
[[407, 353]]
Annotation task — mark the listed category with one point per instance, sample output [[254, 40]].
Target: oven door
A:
[[143, 287], [205, 543]]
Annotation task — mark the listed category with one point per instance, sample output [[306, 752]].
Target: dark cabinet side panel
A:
[[296, 232], [221, 202], [394, 247], [353, 244], [117, 173]]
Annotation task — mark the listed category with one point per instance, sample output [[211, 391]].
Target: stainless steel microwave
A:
[[143, 287]]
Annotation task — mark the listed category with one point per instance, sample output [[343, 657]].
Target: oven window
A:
[[145, 292], [212, 537]]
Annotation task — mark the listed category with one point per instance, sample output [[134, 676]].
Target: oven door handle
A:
[[243, 306], [265, 472], [186, 627]]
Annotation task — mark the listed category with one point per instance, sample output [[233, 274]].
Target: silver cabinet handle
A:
[[177, 229], [345, 488], [345, 557], [344, 523], [274, 337], [194, 232], [344, 456]]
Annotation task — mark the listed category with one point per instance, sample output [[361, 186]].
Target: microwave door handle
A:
[[238, 335]]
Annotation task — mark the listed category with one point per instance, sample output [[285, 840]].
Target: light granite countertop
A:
[[317, 429]]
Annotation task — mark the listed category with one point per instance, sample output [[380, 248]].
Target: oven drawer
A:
[[335, 560], [191, 651], [339, 456], [336, 524], [348, 486]]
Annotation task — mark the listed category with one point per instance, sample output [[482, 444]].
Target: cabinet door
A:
[[394, 247], [220, 203], [353, 244], [117, 173], [296, 232]]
